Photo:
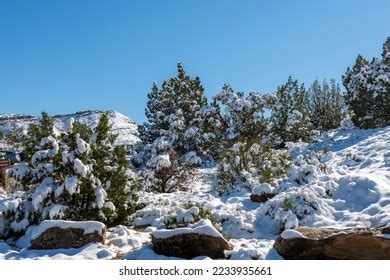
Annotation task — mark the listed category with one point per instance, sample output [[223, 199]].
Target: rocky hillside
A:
[[126, 128]]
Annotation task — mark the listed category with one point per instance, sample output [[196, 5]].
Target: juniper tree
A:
[[325, 105]]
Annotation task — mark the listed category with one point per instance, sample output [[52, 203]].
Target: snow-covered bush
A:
[[295, 207], [70, 178], [248, 167], [182, 217], [164, 170], [247, 158]]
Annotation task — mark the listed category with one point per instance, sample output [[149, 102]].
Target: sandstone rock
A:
[[191, 245], [201, 239], [262, 197], [335, 244], [67, 234]]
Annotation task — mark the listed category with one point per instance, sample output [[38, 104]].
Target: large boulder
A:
[[200, 239], [334, 244], [67, 234]]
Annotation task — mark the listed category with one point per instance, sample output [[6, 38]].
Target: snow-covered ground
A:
[[341, 181]]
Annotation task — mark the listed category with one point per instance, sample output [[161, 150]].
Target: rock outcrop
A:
[[67, 234], [334, 244]]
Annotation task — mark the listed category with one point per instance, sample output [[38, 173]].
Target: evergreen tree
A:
[[325, 105], [290, 119], [36, 132], [358, 98], [171, 146], [368, 90], [173, 109], [111, 167], [68, 178], [212, 132], [300, 118], [281, 111]]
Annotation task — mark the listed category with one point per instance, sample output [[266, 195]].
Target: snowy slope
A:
[[348, 185], [123, 126]]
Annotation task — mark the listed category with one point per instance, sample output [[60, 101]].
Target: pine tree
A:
[[281, 111], [383, 81], [300, 119], [289, 119], [325, 105], [171, 146], [368, 90], [212, 132], [173, 109], [111, 167], [36, 132], [358, 98], [68, 178]]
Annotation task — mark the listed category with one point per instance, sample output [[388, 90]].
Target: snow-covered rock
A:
[[53, 234], [333, 244], [200, 239]]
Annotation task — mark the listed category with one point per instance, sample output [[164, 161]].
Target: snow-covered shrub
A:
[[295, 207], [248, 167], [247, 158], [70, 178], [164, 171], [182, 217]]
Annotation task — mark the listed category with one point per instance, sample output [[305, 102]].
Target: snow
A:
[[351, 191], [20, 226], [101, 196], [264, 188], [57, 211], [71, 184], [203, 227], [162, 161], [42, 192], [20, 170], [82, 146], [291, 234], [123, 240], [87, 226], [80, 168], [9, 204]]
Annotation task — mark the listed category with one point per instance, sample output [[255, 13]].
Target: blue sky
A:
[[71, 55]]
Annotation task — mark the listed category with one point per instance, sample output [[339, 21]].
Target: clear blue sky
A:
[[71, 55]]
